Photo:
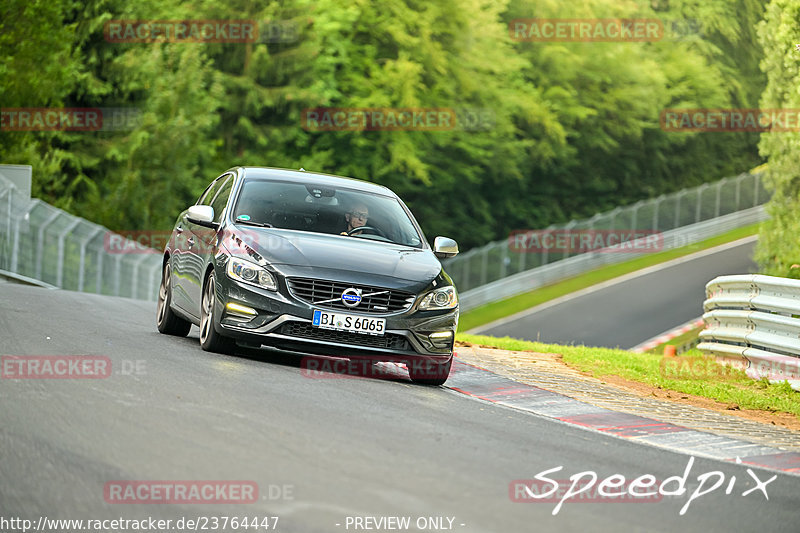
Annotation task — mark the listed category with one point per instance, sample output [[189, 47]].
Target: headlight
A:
[[443, 298], [251, 273]]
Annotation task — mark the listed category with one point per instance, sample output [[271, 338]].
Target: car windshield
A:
[[324, 209]]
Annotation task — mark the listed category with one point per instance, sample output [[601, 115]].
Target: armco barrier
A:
[[498, 260], [44, 243], [753, 322], [578, 264]]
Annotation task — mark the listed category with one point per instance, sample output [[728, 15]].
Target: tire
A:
[[210, 339], [427, 373], [167, 321]]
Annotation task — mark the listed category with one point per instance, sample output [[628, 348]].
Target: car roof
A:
[[314, 178]]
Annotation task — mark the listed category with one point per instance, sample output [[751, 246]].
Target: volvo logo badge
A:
[[351, 297]]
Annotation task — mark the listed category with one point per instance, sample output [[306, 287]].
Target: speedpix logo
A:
[[616, 488]]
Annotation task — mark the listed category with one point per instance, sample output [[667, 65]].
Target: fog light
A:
[[241, 310], [441, 339]]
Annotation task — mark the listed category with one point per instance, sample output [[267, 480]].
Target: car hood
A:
[[325, 256]]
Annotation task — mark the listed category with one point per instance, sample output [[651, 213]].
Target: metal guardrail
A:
[[753, 322], [496, 261], [538, 277], [45, 243]]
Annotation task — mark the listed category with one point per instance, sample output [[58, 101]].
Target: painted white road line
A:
[[612, 282]]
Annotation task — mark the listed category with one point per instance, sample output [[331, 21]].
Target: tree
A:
[[779, 243]]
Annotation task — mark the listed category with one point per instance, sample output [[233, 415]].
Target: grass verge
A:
[[496, 310], [691, 373], [683, 342]]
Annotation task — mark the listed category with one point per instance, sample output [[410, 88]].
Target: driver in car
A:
[[356, 217]]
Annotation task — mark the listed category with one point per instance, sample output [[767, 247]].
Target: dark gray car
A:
[[312, 263]]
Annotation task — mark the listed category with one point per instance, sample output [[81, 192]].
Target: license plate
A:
[[352, 323]]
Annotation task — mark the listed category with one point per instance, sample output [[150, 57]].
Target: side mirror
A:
[[444, 247], [202, 215]]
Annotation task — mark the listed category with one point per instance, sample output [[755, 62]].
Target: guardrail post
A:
[[15, 248], [756, 182], [635, 216], [117, 273], [614, 213], [656, 206], [466, 272], [504, 261], [545, 252], [68, 228], [40, 244], [7, 192], [678, 208], [84, 244], [99, 283], [485, 265], [699, 202], [739, 190]]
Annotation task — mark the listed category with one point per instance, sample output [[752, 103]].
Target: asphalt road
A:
[[628, 313], [319, 450]]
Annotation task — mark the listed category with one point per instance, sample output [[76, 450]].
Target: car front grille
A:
[[328, 294], [304, 330]]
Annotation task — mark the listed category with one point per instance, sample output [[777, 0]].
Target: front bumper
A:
[[283, 321]]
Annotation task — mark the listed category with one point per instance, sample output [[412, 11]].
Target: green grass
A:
[[493, 311], [691, 373], [681, 341]]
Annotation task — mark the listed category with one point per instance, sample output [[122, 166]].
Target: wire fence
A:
[[45, 243], [499, 259]]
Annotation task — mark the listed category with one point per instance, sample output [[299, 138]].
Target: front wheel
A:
[[210, 340], [427, 373], [167, 321]]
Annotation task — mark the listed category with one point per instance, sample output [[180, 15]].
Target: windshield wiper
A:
[[254, 223]]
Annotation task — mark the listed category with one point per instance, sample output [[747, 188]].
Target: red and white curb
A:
[[485, 385], [668, 336]]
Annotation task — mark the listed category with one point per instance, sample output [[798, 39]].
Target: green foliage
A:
[[779, 243], [575, 126]]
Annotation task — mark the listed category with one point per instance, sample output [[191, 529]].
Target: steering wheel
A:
[[374, 230]]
